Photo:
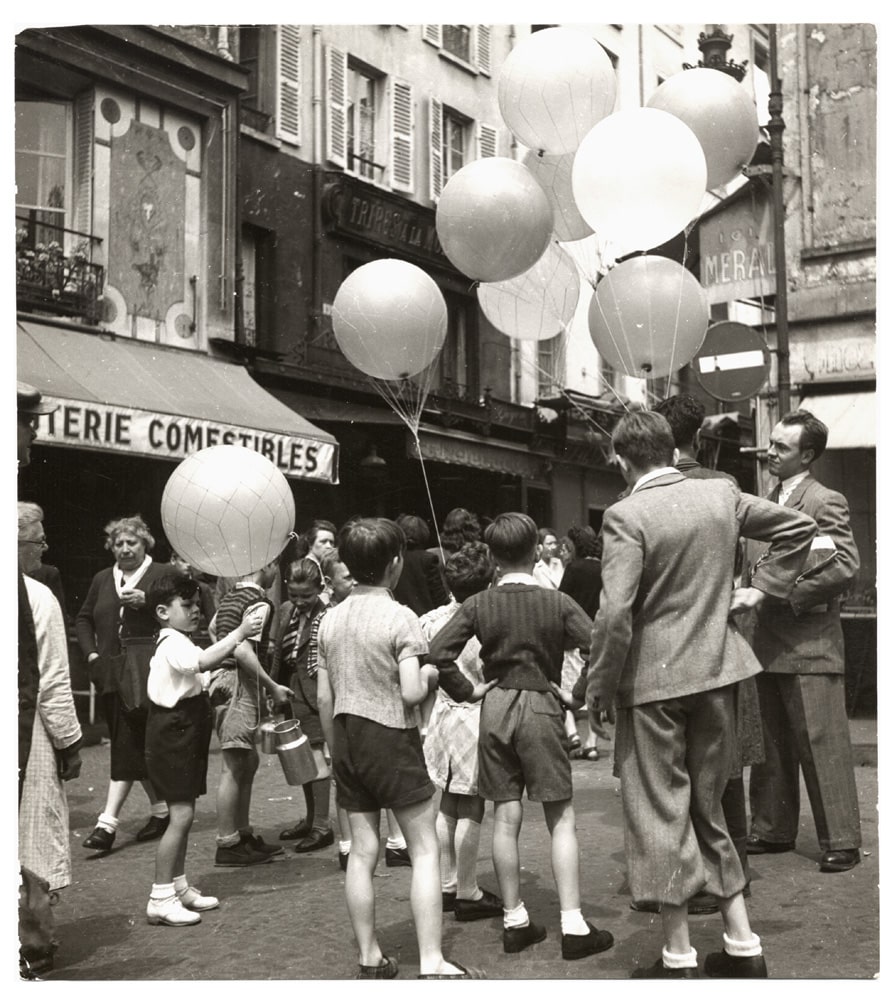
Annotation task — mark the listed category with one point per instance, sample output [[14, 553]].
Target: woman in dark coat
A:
[[114, 610], [421, 585]]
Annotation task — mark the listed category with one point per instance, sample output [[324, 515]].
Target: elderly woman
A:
[[114, 616]]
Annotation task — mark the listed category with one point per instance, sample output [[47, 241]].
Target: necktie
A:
[[290, 636]]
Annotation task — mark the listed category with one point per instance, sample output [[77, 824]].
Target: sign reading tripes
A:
[[162, 435], [733, 362]]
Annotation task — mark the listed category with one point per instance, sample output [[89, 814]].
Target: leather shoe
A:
[[840, 861], [448, 902], [100, 840], [658, 971], [581, 945], [755, 845], [314, 841], [153, 829], [397, 857], [477, 909], [720, 965], [301, 829], [517, 938]]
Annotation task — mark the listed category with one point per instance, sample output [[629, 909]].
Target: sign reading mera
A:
[[737, 252], [160, 435]]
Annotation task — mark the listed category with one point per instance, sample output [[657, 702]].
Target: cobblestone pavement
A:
[[287, 919]]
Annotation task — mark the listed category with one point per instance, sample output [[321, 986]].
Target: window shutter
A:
[[483, 48], [336, 67], [402, 136], [436, 143], [288, 114], [432, 34], [83, 163], [487, 140]]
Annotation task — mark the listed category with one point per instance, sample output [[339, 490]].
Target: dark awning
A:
[[163, 402]]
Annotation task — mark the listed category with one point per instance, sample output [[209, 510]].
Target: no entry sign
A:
[[733, 362]]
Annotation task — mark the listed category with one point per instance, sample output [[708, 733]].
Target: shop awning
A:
[[145, 399], [336, 410], [850, 417]]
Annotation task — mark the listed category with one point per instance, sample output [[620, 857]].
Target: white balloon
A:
[[227, 510], [554, 87], [639, 178], [538, 304], [554, 174]]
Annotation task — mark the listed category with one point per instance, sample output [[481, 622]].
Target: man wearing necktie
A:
[[799, 643]]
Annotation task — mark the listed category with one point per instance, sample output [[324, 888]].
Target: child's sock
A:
[[573, 922], [743, 949], [676, 960], [228, 840], [180, 884], [344, 847], [517, 917], [107, 822], [397, 843], [159, 810], [162, 890]]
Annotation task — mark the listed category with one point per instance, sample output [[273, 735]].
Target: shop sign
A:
[[104, 427], [736, 252]]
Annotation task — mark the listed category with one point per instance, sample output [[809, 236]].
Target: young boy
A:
[[237, 722], [524, 629], [178, 732], [369, 681]]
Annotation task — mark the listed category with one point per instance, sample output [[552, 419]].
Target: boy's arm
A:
[[248, 660], [416, 681], [218, 652], [447, 645], [325, 704]]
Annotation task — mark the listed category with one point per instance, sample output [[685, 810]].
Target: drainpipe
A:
[[316, 178]]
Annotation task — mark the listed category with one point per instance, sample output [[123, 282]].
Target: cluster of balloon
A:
[[639, 178], [389, 319], [227, 510], [493, 220], [648, 316], [721, 114], [539, 303], [554, 174]]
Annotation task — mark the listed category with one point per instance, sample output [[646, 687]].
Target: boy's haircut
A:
[[644, 439], [814, 431], [684, 414], [167, 588], [330, 561], [469, 571], [512, 537], [368, 545], [415, 530], [305, 571]]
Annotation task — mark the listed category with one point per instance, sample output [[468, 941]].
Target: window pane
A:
[[41, 167], [456, 38], [455, 132], [361, 116]]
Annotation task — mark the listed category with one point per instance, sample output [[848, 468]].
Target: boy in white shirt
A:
[[178, 733]]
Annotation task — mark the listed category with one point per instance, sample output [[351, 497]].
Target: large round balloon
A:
[[648, 317], [721, 114], [639, 178], [389, 319], [493, 219], [554, 87], [539, 303], [554, 174], [227, 510]]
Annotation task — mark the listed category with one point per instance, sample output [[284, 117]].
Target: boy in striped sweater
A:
[[524, 630]]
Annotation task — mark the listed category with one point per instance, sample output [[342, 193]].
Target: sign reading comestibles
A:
[[162, 435]]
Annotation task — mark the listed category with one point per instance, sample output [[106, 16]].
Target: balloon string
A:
[[419, 452]]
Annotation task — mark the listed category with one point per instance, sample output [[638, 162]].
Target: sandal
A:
[[301, 829], [387, 969], [463, 974], [586, 753]]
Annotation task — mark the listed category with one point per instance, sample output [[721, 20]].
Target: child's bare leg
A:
[[359, 894], [246, 781], [417, 822], [570, 723], [560, 817], [170, 857], [233, 764], [445, 831], [676, 929], [151, 793], [116, 796], [320, 808], [505, 850], [470, 810], [735, 917]]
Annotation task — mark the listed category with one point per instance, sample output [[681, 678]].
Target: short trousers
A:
[[177, 741], [523, 746], [304, 705], [237, 722], [377, 767], [127, 736]]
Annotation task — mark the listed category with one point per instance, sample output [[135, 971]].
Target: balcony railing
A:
[[55, 270]]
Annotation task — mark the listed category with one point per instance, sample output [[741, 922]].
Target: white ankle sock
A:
[[180, 883], [743, 949], [572, 922], [161, 890], [108, 822], [396, 843], [677, 960], [344, 847], [517, 917], [159, 810]]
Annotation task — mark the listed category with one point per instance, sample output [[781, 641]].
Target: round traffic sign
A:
[[733, 362]]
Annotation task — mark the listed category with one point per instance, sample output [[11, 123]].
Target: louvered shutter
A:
[[336, 67], [402, 136], [487, 140], [483, 48], [288, 109], [83, 163], [432, 34], [436, 143]]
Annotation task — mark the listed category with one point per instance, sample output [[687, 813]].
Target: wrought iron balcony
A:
[[55, 270]]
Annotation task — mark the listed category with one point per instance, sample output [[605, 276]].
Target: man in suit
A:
[[665, 652], [799, 643]]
